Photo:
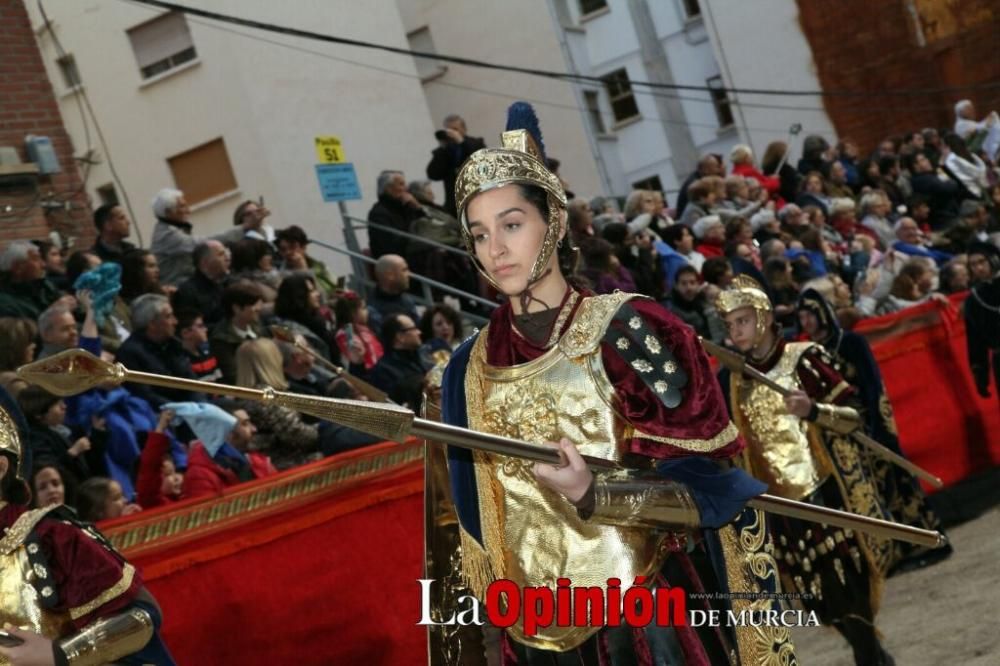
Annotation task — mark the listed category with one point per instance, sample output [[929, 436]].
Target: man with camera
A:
[[454, 147]]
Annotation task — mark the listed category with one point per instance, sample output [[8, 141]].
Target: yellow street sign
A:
[[329, 150]]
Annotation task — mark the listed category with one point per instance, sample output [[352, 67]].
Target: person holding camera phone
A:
[[454, 147]]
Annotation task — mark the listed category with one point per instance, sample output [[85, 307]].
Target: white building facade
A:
[[228, 113]]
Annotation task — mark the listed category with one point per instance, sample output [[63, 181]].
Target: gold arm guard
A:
[[109, 638], [643, 502], [842, 420]]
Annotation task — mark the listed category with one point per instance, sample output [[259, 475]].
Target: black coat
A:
[[165, 358], [393, 213], [203, 295], [445, 163], [943, 197], [400, 373]]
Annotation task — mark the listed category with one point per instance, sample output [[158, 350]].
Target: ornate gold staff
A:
[[736, 364], [75, 370], [285, 334]]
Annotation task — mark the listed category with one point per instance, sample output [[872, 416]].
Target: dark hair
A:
[[16, 334], [35, 402], [886, 163], [91, 497], [948, 273], [247, 254], [910, 159], [13, 489], [201, 251], [134, 283], [446, 311], [776, 272], [44, 246], [240, 212], [615, 233], [597, 254], [186, 318], [391, 327], [345, 308], [77, 265], [68, 481], [240, 294], [811, 239], [102, 215], [957, 145], [734, 226], [292, 301], [686, 268], [566, 254], [714, 268], [292, 234], [673, 235]]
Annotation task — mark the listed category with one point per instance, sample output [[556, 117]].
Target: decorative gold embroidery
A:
[[660, 386], [113, 592], [40, 571], [726, 436], [622, 344], [15, 535], [590, 323], [32, 548], [46, 591], [642, 365], [652, 344], [635, 323], [670, 367], [561, 319]]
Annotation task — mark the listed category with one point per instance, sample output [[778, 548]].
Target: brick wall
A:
[[28, 106], [861, 45]]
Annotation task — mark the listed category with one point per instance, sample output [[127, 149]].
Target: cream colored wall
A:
[[267, 101]]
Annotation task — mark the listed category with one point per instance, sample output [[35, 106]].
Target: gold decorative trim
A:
[[141, 533], [836, 391], [113, 592], [726, 436], [584, 335], [563, 316], [15, 535]]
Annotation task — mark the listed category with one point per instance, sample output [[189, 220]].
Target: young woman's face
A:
[[442, 328], [173, 481], [151, 269], [114, 506], [49, 488], [314, 300], [56, 414], [507, 232], [54, 261]]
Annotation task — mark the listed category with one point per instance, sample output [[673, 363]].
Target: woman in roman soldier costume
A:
[[66, 596], [615, 377], [800, 446]]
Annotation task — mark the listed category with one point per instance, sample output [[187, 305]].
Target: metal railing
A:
[[405, 234]]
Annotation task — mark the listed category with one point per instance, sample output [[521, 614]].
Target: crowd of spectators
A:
[[917, 219]]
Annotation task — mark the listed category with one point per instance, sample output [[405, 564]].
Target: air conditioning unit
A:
[[42, 153]]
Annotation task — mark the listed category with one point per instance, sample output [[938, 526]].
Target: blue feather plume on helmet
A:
[[521, 115]]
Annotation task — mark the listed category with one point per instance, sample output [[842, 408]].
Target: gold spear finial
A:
[[71, 372]]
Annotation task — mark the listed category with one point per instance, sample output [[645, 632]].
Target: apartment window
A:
[[203, 172], [691, 8], [108, 195], [70, 74], [720, 100], [593, 102], [162, 44], [421, 40], [623, 104], [652, 183], [592, 6]]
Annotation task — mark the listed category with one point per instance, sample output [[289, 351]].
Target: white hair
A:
[[841, 205], [870, 199], [145, 309], [46, 320], [384, 179], [899, 223], [15, 252], [961, 104], [740, 153], [166, 199]]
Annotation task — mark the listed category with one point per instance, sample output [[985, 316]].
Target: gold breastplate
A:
[[19, 599], [533, 535], [783, 450]]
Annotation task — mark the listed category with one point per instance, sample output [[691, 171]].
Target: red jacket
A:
[[204, 476], [770, 183], [149, 484]]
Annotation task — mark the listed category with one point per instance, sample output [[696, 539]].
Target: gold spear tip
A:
[[71, 372]]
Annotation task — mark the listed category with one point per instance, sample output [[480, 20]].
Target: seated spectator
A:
[[392, 280], [687, 300], [55, 263], [701, 199], [203, 291], [248, 222], [292, 242], [984, 262], [141, 275], [241, 304], [677, 250], [253, 261], [739, 231], [24, 289], [337, 438], [875, 207], [964, 166], [152, 347], [711, 236], [911, 241], [400, 372], [158, 481], [954, 277], [718, 273], [912, 286], [814, 192], [783, 290], [395, 209], [793, 220], [100, 499], [983, 134], [17, 347], [57, 328], [301, 372], [172, 240], [837, 185], [736, 200], [352, 324], [971, 227], [299, 307], [51, 440], [603, 269], [111, 313], [283, 432], [221, 455], [708, 165], [743, 165], [847, 154], [817, 219], [815, 152], [441, 327], [438, 225], [193, 335], [920, 212], [889, 173], [113, 227], [50, 486], [775, 163], [941, 192], [641, 211], [579, 221]]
